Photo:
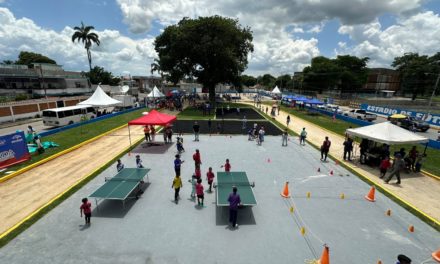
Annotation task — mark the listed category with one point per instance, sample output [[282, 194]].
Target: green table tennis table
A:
[[121, 185], [225, 181]]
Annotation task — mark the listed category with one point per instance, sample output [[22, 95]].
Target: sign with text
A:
[[13, 149], [433, 119]]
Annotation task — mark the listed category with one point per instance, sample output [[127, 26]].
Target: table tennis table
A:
[[122, 185], [225, 182]]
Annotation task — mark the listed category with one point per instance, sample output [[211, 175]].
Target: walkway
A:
[[421, 191]]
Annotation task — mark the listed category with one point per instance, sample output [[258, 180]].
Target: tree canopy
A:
[[99, 75], [211, 49], [27, 58], [84, 35], [417, 73], [346, 73]]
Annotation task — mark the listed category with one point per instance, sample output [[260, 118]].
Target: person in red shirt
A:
[[227, 166], [210, 177], [384, 165], [86, 207], [325, 147], [197, 159], [199, 192], [198, 173]]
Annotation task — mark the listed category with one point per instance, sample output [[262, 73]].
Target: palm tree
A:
[[83, 34]]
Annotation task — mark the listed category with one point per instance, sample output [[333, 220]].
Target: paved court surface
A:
[[155, 230], [226, 127]]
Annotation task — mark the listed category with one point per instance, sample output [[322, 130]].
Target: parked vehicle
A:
[[67, 115], [333, 108], [360, 114], [409, 122]]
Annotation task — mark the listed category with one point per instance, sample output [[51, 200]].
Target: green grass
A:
[[71, 137], [339, 126], [195, 114]]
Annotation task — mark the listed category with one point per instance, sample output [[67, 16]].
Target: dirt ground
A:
[[417, 189], [29, 191]]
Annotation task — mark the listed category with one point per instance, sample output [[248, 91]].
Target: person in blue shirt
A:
[[177, 163], [119, 165], [234, 201]]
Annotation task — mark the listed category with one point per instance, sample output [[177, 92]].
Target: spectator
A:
[[325, 148], [348, 148]]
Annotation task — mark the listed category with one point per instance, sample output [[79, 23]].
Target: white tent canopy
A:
[[155, 93], [100, 99], [276, 90], [387, 133]]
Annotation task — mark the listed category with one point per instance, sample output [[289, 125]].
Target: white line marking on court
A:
[[313, 177]]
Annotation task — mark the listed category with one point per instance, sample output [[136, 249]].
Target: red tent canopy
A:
[[153, 118]]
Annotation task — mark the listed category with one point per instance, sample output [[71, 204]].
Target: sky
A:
[[287, 33]]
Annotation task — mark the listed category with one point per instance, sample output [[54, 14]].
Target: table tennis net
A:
[[132, 179], [231, 183]]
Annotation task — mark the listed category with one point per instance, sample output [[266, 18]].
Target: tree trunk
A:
[[89, 57], [211, 89]]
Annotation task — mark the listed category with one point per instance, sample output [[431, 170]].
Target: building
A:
[[146, 83], [41, 79], [382, 81]]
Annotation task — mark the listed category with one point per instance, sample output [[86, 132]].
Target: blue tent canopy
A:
[[314, 101]]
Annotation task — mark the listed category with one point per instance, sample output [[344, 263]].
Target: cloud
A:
[[418, 33], [117, 53]]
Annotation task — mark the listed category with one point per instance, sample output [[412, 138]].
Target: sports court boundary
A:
[[25, 223], [56, 155], [408, 206]]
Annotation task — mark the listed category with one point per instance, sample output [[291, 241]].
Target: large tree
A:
[[27, 58], [266, 80], [84, 35], [417, 73], [211, 49], [248, 80], [100, 75]]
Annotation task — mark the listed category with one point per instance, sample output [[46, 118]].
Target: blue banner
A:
[[13, 149], [432, 119]]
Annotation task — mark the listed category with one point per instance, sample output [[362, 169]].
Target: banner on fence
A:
[[13, 149], [432, 119]]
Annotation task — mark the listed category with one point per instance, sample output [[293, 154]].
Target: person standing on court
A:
[[227, 166], [153, 133], [302, 137], [398, 165], [139, 162], [199, 192], [284, 138], [196, 129], [177, 184], [325, 148], [86, 207], [210, 177], [244, 122], [348, 148], [119, 165], [177, 164], [288, 120], [234, 201], [197, 159]]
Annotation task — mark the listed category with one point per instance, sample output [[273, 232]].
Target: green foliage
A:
[[248, 80], [21, 97], [99, 75], [27, 58], [417, 73], [84, 35], [347, 73], [284, 82], [211, 49], [6, 62], [266, 80]]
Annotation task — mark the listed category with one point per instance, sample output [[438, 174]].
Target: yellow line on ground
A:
[[56, 155], [63, 193]]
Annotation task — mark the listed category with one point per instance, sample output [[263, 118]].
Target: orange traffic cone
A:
[[379, 262], [325, 258], [286, 193], [319, 169], [370, 195], [331, 173], [336, 162], [436, 255], [411, 228]]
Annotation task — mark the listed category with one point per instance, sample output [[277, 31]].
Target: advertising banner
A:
[[13, 149], [432, 119]]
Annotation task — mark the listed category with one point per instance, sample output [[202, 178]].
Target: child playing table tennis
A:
[[199, 192], [86, 207], [227, 166], [210, 177], [139, 162]]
